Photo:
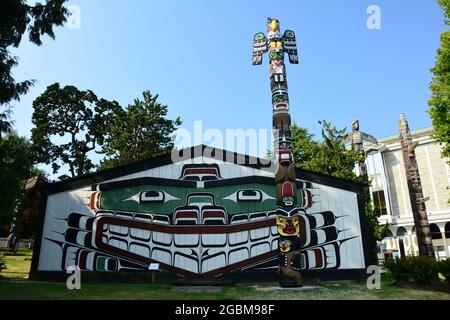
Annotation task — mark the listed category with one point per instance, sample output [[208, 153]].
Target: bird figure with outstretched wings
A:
[[274, 41]]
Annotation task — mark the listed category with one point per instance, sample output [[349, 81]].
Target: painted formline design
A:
[[176, 247]]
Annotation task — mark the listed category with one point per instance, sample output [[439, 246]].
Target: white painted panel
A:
[[161, 256], [186, 239], [259, 249], [214, 239], [321, 237], [140, 250], [162, 238], [141, 234], [260, 233], [237, 256], [237, 237], [185, 263], [275, 244], [90, 261], [311, 259], [330, 255], [319, 220], [213, 263]]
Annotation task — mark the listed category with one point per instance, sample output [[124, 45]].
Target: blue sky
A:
[[197, 56]]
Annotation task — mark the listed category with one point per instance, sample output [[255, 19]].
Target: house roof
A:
[[190, 153], [414, 133]]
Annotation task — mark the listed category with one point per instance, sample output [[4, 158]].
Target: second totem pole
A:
[[288, 226]]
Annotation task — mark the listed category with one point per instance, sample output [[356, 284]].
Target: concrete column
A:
[[446, 249]]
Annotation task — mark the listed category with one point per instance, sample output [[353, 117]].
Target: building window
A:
[[379, 202]]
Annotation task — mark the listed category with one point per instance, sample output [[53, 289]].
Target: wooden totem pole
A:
[[418, 207], [357, 138], [285, 178]]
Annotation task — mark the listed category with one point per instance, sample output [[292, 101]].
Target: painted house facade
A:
[[205, 214]]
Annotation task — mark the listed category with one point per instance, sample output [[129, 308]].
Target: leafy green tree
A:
[[331, 157], [16, 163], [142, 131], [303, 145], [5, 123], [16, 17], [439, 103], [69, 124]]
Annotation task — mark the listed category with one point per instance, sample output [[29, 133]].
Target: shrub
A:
[[398, 268], [422, 269], [443, 267], [419, 269]]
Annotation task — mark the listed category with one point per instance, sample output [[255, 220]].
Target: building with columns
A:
[[390, 194]]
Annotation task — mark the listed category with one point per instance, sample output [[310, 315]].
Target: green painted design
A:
[[302, 261], [280, 98], [101, 264], [117, 199], [290, 34], [276, 55], [259, 36]]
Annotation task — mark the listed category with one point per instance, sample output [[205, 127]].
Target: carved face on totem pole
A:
[[280, 100], [288, 226], [285, 246], [273, 25]]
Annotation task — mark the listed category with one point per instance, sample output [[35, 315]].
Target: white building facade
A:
[[390, 194]]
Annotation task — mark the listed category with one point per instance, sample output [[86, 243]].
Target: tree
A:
[[439, 103], [78, 119], [30, 216], [331, 157], [15, 17], [303, 145], [142, 131], [15, 154], [5, 123], [16, 163]]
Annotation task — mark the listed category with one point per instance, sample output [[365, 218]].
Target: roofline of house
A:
[[191, 153]]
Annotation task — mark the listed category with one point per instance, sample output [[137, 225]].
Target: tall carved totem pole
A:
[[286, 193], [418, 207]]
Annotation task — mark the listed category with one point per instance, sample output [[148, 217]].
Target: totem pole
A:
[[286, 193], [12, 242], [415, 190], [357, 137]]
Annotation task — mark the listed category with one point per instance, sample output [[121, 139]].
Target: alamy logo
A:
[[74, 280], [74, 20], [374, 20], [374, 280]]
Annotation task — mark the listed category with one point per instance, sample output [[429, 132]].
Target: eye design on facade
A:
[[151, 196], [248, 195]]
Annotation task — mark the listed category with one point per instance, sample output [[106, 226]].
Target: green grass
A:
[[16, 286], [17, 265], [24, 289]]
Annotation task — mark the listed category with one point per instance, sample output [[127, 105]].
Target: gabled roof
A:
[[191, 153]]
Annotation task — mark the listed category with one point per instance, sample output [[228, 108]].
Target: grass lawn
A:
[[16, 286], [18, 265]]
